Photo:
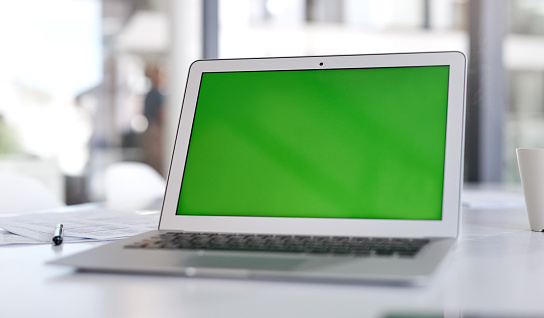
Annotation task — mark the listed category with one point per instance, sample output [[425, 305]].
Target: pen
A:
[[59, 231]]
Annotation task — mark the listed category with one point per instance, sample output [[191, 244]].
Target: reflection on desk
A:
[[493, 196]]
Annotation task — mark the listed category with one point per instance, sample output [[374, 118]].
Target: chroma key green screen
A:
[[343, 143]]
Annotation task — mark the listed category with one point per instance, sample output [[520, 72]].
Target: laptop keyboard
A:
[[354, 246]]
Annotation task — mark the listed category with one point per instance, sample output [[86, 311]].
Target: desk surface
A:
[[497, 267]]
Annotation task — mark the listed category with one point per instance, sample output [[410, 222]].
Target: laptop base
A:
[[261, 265]]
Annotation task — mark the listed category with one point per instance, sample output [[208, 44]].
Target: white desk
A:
[[498, 267]]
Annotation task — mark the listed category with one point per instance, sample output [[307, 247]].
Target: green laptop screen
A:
[[342, 143]]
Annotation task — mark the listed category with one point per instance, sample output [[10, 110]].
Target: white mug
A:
[[531, 170]]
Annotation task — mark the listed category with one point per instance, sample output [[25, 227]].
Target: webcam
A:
[[321, 64]]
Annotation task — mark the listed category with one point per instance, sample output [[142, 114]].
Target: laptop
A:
[[321, 168]]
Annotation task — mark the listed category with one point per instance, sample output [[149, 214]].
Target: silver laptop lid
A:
[[361, 145]]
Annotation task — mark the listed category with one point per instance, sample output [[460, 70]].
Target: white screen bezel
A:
[[448, 226]]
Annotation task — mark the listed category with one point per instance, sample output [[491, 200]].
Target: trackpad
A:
[[244, 262]]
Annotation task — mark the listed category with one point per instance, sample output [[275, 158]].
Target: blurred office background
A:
[[75, 74]]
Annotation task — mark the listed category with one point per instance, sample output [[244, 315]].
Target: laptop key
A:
[[384, 251], [341, 250], [317, 249], [362, 252]]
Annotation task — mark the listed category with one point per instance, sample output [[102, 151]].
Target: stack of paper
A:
[[81, 226]]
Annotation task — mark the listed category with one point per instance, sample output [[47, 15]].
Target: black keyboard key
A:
[[384, 251], [341, 250], [362, 252], [317, 249]]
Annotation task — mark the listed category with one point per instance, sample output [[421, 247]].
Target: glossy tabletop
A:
[[496, 268]]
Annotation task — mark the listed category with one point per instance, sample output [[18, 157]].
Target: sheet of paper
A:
[[96, 224], [8, 238]]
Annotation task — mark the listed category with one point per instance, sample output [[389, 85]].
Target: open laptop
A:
[[344, 168]]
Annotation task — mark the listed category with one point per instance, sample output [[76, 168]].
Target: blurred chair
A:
[[133, 186], [21, 194]]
